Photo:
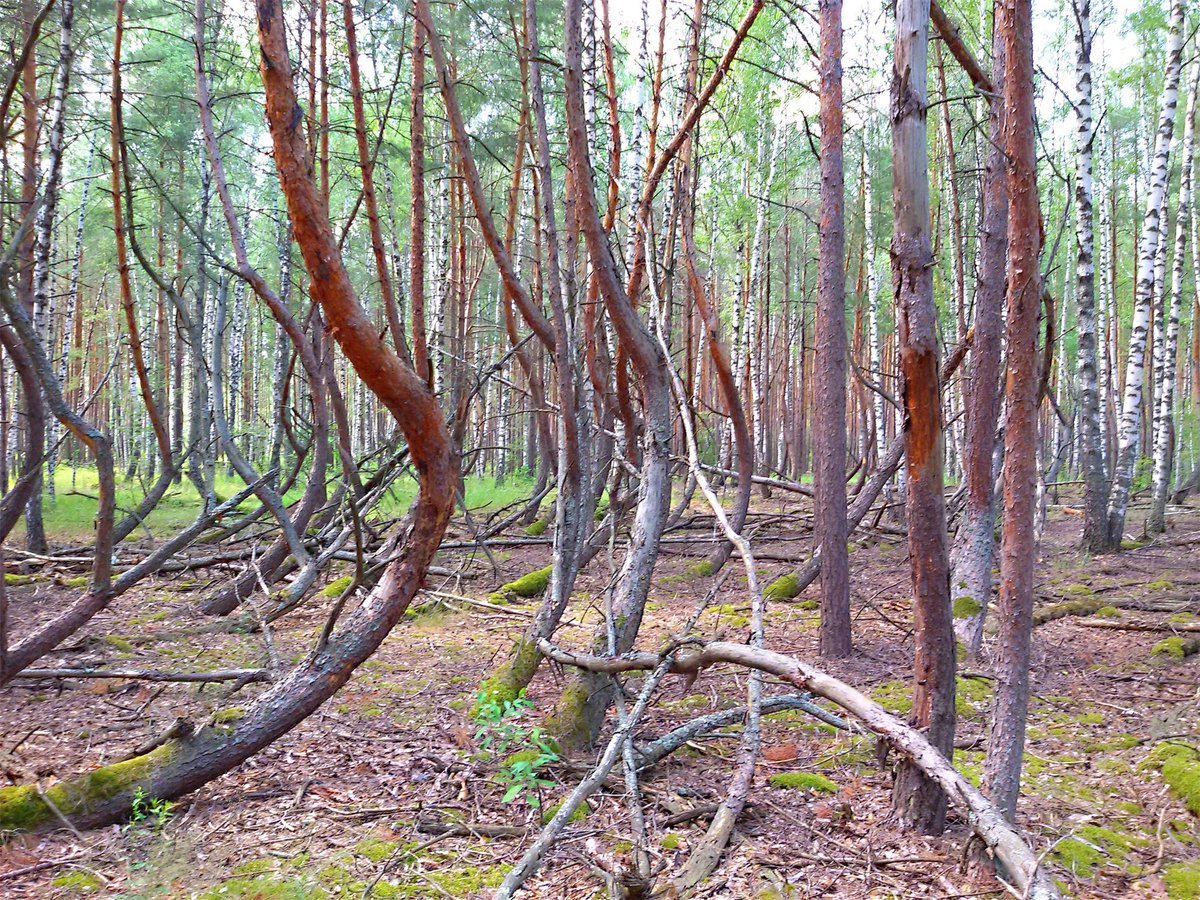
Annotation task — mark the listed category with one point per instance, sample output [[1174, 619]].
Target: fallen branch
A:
[[1016, 858], [652, 753], [244, 675]]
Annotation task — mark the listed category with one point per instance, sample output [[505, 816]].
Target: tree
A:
[[829, 439], [918, 799]]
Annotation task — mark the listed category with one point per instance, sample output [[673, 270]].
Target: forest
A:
[[599, 448]]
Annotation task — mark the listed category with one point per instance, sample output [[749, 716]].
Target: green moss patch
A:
[[1175, 648], [1108, 612], [802, 781], [338, 586], [966, 607], [1180, 767], [265, 887], [530, 585], [701, 569], [538, 528], [785, 587], [578, 816], [1092, 846], [1084, 606], [1183, 880], [22, 808], [78, 882]]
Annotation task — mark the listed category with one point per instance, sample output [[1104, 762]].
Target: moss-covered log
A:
[[1083, 606], [531, 584]]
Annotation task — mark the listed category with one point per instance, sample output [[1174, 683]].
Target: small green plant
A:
[[525, 750], [149, 812]]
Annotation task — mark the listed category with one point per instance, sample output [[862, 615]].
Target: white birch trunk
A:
[[1164, 431], [1128, 436]]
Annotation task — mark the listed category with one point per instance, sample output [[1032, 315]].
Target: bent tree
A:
[[183, 764]]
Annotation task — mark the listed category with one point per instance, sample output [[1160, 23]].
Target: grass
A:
[[70, 517]]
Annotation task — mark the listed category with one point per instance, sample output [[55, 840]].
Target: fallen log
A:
[[1015, 857]]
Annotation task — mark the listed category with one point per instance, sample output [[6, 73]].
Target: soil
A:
[[334, 809]]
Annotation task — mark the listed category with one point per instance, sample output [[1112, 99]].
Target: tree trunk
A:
[[1129, 430], [829, 441], [1164, 443], [1018, 548], [918, 799]]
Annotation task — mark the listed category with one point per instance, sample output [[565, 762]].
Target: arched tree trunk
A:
[[184, 764]]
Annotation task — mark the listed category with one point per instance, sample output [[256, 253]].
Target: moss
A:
[[14, 580], [1174, 647], [689, 704], [966, 607], [375, 849], [538, 528], [1181, 618], [1092, 845], [1108, 612], [969, 764], [264, 887], [79, 581], [581, 813], [22, 808], [730, 615], [78, 882], [336, 587], [568, 725], [1077, 590], [228, 714], [802, 781], [1084, 606], [124, 645], [1133, 545], [670, 841], [254, 867], [1160, 586], [1181, 772], [1183, 880], [894, 696], [514, 674], [530, 756], [809, 604], [531, 584], [785, 587], [702, 569]]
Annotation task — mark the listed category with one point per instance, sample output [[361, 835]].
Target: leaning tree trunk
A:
[[1129, 429], [918, 799], [829, 393], [1164, 433], [183, 764]]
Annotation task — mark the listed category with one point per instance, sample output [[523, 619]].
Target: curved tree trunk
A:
[[184, 764]]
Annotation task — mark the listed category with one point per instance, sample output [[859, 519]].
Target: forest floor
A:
[[333, 809]]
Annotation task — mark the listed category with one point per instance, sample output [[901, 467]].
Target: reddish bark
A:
[[829, 444]]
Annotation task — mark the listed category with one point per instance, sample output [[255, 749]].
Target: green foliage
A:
[[149, 812], [526, 751], [802, 781]]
